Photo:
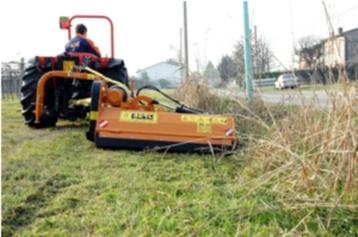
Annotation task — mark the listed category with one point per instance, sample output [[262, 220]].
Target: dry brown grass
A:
[[193, 93], [318, 150], [305, 155]]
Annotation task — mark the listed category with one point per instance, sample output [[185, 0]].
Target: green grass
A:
[[56, 183]]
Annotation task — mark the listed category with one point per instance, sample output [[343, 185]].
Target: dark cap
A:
[[81, 29]]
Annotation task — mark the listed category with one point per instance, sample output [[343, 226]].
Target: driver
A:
[[80, 43]]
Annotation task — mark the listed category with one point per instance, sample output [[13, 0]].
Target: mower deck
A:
[[129, 129], [132, 126]]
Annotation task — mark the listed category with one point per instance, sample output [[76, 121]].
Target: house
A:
[[168, 73], [339, 50]]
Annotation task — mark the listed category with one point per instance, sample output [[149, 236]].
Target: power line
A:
[[347, 10], [322, 21]]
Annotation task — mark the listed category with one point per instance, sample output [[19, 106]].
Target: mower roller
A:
[[118, 118]]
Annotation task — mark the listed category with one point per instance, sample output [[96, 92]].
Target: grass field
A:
[[56, 183]]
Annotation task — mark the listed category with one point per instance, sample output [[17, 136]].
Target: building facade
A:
[[170, 72], [339, 50]]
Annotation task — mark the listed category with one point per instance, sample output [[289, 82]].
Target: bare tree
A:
[[227, 68], [262, 57], [211, 72], [309, 51]]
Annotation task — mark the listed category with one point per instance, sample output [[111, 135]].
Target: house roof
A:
[[316, 46], [169, 61], [349, 31]]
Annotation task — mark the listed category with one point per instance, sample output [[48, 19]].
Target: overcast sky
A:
[[147, 32]]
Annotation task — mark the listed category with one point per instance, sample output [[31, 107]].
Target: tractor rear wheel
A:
[[117, 71], [28, 99]]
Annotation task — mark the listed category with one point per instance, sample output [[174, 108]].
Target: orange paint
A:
[[40, 91], [142, 121]]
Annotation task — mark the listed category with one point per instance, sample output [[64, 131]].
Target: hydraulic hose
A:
[[180, 109], [107, 79]]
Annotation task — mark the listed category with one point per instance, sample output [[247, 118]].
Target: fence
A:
[[264, 82], [11, 74], [320, 75]]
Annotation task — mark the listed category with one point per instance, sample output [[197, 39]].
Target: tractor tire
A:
[[28, 99], [95, 92], [117, 71]]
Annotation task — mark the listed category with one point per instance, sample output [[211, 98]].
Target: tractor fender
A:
[[116, 62]]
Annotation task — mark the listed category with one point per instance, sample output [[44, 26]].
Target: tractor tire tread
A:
[[28, 98]]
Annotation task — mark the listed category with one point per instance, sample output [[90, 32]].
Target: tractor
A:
[[76, 85], [63, 90]]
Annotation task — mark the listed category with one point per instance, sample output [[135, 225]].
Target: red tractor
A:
[[62, 88]]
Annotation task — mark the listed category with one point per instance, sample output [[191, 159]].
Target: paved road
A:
[[319, 98]]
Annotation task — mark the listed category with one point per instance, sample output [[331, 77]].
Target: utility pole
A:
[[255, 61], [333, 43], [22, 72], [181, 45], [181, 55], [248, 58], [328, 19], [186, 43]]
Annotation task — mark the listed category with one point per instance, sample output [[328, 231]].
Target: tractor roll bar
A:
[[94, 17]]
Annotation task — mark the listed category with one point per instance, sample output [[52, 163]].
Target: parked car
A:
[[285, 81]]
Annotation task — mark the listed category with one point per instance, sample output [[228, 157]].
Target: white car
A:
[[287, 81]]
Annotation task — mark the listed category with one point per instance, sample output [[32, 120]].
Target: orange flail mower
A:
[[139, 122]]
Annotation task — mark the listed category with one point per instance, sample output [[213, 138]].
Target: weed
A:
[[295, 175]]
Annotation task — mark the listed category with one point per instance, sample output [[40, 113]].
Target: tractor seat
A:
[[83, 59], [91, 56]]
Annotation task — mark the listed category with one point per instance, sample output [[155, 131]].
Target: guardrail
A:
[[264, 82]]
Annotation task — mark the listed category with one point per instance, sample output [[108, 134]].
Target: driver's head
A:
[[81, 29]]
